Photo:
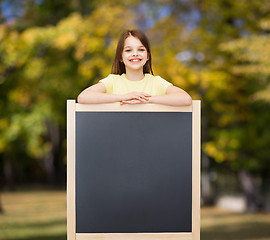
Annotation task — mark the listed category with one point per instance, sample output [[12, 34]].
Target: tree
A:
[[243, 141], [199, 54], [47, 59], [35, 88]]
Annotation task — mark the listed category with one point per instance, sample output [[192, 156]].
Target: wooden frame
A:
[[72, 108]]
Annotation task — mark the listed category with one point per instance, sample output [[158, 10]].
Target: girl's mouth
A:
[[135, 60]]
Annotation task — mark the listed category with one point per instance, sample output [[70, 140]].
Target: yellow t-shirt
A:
[[119, 84]]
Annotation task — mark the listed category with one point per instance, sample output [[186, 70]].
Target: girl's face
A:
[[134, 54]]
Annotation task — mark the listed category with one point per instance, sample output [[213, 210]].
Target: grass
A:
[[33, 215], [217, 224], [40, 215]]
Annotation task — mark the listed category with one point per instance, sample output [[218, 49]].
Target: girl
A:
[[132, 80]]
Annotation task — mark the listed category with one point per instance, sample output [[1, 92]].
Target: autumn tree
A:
[[51, 50]]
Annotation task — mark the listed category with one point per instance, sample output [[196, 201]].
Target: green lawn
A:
[[219, 224], [41, 215], [33, 216]]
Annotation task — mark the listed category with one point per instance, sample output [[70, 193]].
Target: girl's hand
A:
[[132, 101], [140, 97]]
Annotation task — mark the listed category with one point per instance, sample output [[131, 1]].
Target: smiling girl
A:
[[132, 80]]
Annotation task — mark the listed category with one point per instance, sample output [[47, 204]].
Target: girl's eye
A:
[[141, 50]]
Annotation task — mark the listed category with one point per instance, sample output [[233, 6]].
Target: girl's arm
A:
[[174, 96], [97, 94]]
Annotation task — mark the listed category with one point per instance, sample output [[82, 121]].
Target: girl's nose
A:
[[135, 53]]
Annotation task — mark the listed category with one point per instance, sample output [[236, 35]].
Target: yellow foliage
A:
[[88, 44], [2, 145], [265, 24], [234, 143], [223, 149], [179, 80], [215, 79], [251, 69], [118, 18], [64, 35], [74, 23], [19, 96], [13, 130], [29, 35], [34, 69], [95, 43], [81, 47], [3, 126], [3, 123], [218, 106], [38, 35], [112, 47], [15, 51], [193, 78], [64, 41], [68, 31], [225, 119], [251, 52], [3, 31], [11, 47], [85, 69], [262, 95], [210, 149], [37, 148], [220, 157]]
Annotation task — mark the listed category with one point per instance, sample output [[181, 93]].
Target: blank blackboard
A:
[[133, 172]]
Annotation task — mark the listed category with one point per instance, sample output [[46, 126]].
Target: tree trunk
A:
[[207, 182], [208, 191], [8, 173], [249, 188], [54, 162], [1, 206]]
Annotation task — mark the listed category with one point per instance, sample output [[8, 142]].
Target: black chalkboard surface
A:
[[133, 172]]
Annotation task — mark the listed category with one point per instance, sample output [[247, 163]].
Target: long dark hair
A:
[[118, 67]]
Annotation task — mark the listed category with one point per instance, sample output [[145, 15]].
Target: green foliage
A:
[[243, 102], [42, 67], [215, 50]]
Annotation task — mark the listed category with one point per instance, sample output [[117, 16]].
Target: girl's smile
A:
[[135, 60]]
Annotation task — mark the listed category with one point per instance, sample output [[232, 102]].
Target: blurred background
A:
[[216, 50]]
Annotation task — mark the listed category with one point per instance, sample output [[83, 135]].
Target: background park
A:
[[217, 50]]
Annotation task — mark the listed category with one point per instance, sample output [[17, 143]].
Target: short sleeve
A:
[[108, 82], [163, 85]]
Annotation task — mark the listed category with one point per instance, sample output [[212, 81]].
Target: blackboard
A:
[[133, 173]]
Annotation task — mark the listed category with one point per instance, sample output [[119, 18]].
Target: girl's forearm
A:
[[168, 99], [96, 97], [172, 99]]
